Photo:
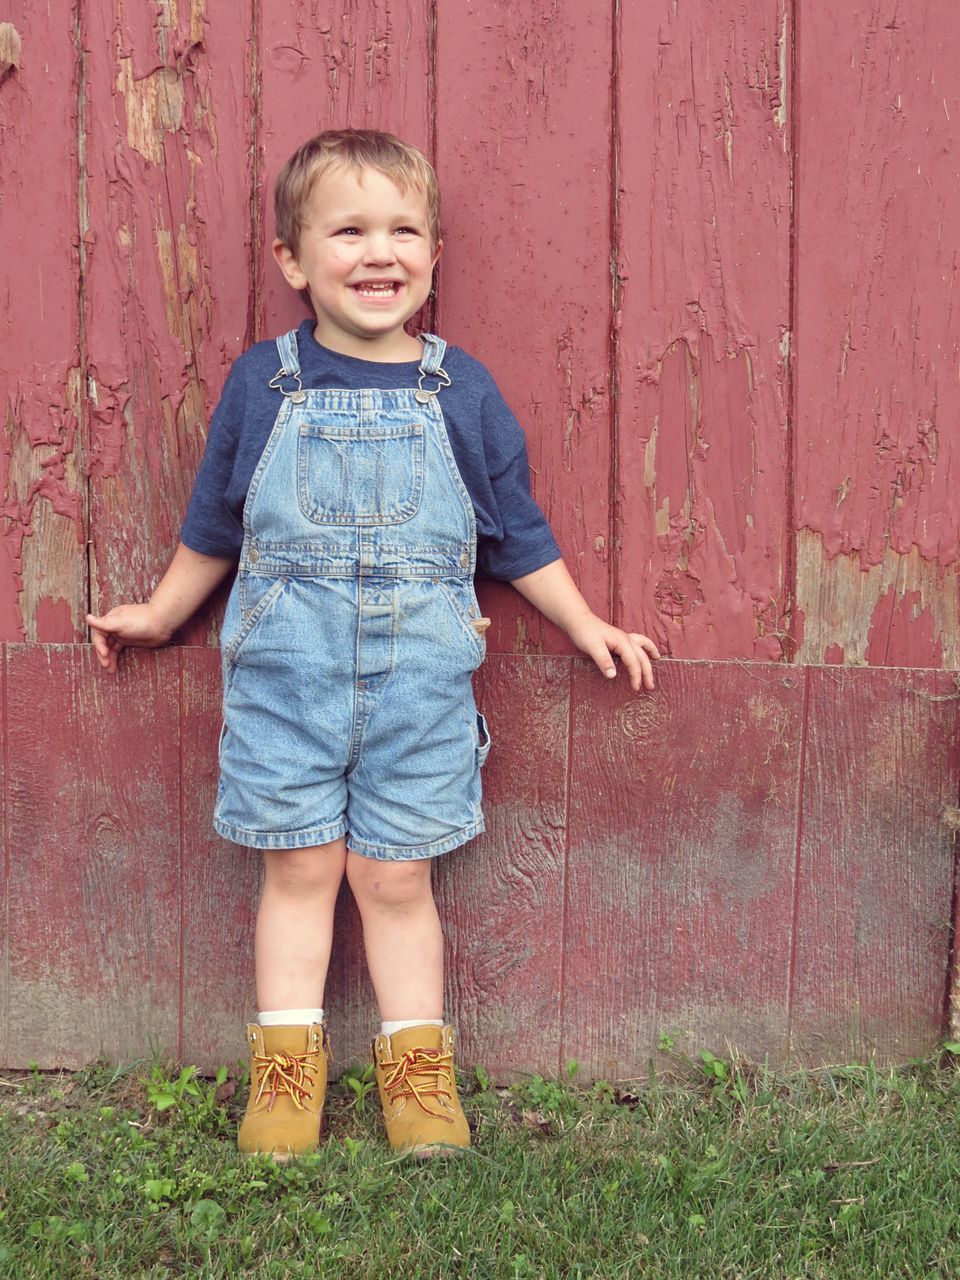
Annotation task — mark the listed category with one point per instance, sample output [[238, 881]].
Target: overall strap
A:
[[289, 368], [431, 366]]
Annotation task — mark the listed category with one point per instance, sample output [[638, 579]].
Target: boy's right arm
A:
[[184, 587]]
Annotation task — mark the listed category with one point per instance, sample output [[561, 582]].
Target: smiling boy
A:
[[356, 488]]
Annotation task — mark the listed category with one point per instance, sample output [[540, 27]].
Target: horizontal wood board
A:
[[94, 896], [876, 863], [755, 855]]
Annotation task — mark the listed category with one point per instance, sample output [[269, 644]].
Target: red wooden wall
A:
[[709, 251]]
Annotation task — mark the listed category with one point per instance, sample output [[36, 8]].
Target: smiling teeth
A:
[[376, 290]]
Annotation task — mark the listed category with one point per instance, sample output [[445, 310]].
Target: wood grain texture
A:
[[703, 325], [42, 498], [501, 897], [364, 66], [221, 885], [168, 265], [682, 850], [875, 864], [524, 162], [5, 1024], [878, 334], [93, 811]]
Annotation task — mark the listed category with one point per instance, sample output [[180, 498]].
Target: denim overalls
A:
[[349, 640]]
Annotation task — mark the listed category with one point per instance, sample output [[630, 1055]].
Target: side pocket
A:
[[483, 740], [463, 601], [251, 619]]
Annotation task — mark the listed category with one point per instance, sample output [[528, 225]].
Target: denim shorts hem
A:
[[281, 839], [407, 853]]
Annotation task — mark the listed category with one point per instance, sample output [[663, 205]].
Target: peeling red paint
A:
[[702, 269], [878, 339], [167, 281], [54, 619], [833, 654], [41, 488], [524, 159], [901, 624]]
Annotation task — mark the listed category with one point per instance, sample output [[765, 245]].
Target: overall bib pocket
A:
[[351, 474]]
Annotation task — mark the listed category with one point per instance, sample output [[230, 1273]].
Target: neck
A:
[[387, 348]]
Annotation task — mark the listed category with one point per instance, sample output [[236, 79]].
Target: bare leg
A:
[[295, 924], [401, 935]]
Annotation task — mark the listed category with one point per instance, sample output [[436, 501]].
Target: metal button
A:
[[298, 397], [254, 555], [465, 559]]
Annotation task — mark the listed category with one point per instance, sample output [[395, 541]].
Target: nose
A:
[[378, 249]]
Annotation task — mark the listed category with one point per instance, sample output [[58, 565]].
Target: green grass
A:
[[732, 1172]]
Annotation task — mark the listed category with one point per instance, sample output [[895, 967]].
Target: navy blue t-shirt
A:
[[513, 536]]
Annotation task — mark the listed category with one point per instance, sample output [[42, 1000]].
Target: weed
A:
[[361, 1081]]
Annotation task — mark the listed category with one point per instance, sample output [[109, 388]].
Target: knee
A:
[[390, 885], [305, 871]]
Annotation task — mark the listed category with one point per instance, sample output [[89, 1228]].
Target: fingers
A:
[[106, 646], [634, 650]]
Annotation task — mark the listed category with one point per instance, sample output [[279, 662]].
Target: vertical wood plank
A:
[[166, 290], [703, 324], [876, 864], [42, 565], [501, 898], [524, 161], [878, 222], [6, 1029], [221, 884], [683, 819], [94, 834], [364, 66]]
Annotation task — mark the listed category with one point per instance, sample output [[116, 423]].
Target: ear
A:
[[436, 254], [289, 264]]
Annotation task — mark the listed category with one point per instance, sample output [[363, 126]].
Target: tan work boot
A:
[[288, 1083], [418, 1091]]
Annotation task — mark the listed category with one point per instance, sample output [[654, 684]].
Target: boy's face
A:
[[366, 257]]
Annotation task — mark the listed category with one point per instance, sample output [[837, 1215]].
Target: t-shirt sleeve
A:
[[210, 526], [521, 540]]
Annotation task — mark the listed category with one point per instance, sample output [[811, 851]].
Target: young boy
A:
[[355, 475]]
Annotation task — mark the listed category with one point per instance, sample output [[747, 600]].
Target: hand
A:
[[127, 624], [599, 640]]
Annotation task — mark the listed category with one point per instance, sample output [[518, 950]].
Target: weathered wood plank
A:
[[167, 282], [878, 445], [364, 66], [875, 869], [703, 324], [501, 898], [221, 885], [5, 1024], [524, 161], [682, 850], [42, 565], [94, 834]]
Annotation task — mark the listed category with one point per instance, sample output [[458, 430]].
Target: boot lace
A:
[[417, 1074], [286, 1074]]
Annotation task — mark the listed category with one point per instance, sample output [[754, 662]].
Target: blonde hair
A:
[[403, 164]]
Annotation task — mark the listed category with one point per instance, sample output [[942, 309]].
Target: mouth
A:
[[377, 288]]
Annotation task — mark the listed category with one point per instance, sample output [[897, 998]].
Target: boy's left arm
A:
[[555, 594]]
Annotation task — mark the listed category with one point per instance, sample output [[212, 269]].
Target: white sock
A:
[[289, 1017], [390, 1028]]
